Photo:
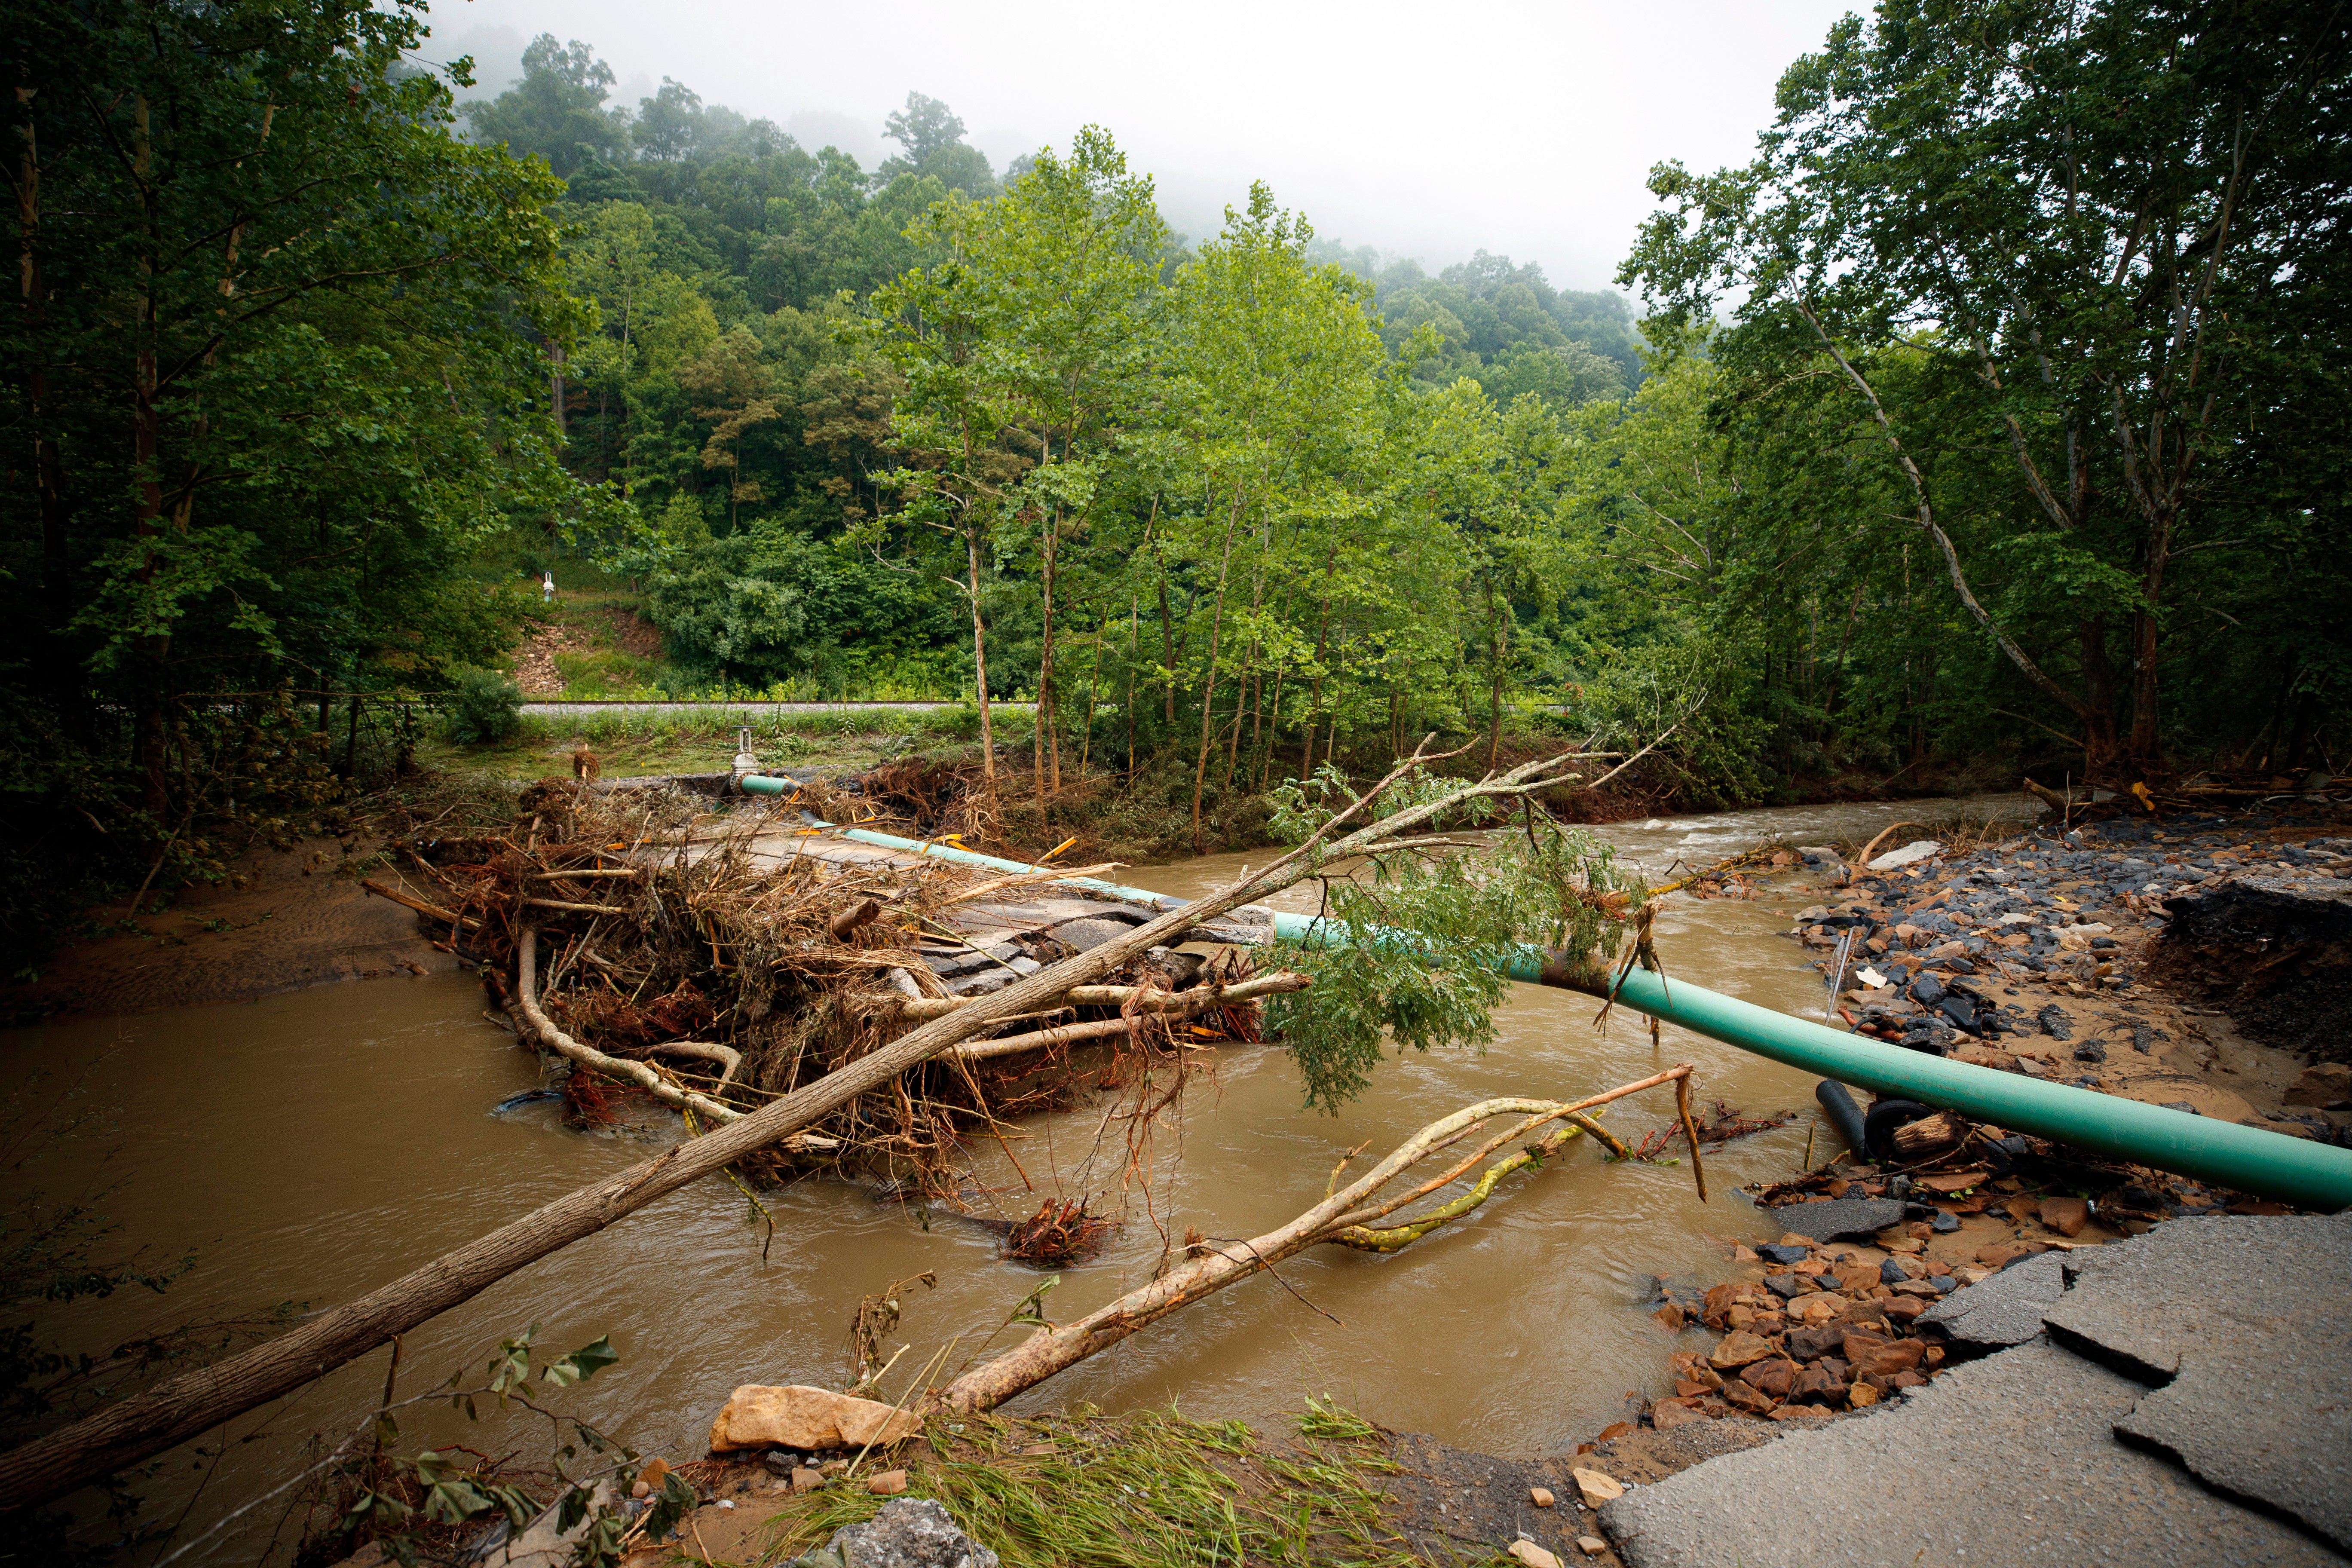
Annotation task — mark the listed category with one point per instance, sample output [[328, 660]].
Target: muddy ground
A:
[[292, 919]]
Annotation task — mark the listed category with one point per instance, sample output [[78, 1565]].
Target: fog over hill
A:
[[1523, 130]]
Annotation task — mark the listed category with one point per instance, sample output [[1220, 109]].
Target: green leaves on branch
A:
[[1420, 943]]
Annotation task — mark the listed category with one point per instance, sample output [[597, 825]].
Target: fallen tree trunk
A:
[[1213, 1267], [182, 1408]]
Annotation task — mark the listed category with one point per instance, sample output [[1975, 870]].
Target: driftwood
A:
[[1344, 1217], [576, 909], [1200, 999], [182, 1408], [411, 902], [844, 924]]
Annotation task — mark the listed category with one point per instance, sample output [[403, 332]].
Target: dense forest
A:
[[1992, 414]]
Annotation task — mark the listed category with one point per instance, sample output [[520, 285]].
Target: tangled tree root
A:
[[1059, 1235]]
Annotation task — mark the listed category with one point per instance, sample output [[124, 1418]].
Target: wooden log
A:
[[598, 871], [532, 1019], [410, 900], [1201, 999], [577, 909], [1037, 1040], [1215, 1266], [844, 926]]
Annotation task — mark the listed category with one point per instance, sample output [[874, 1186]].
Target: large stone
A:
[[1885, 1361], [1911, 854], [1597, 1486], [1806, 1344], [757, 1416], [1738, 1348], [543, 1544], [1669, 1414], [2006, 1460], [908, 1532], [1086, 935], [2328, 1084], [2004, 1310], [1841, 1219], [2065, 1215], [2257, 1377]]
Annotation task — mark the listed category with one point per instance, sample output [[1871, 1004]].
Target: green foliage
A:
[[483, 706], [282, 366], [391, 1499], [1431, 937], [767, 604], [2013, 284], [556, 110]]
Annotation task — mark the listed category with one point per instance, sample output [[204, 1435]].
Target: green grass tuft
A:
[[1151, 1490]]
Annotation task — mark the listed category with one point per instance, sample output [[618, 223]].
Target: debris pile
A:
[[717, 960]]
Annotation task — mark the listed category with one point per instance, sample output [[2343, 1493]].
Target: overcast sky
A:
[[1428, 130]]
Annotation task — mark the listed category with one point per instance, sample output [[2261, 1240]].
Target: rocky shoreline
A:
[[2030, 956]]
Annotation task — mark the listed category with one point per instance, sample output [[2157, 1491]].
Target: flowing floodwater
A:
[[308, 1147]]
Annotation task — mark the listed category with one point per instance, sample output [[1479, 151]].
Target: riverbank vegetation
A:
[[1908, 465]]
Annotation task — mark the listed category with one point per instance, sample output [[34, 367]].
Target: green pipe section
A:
[[2302, 1171]]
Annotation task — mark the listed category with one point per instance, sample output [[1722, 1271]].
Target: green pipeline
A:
[[2302, 1171]]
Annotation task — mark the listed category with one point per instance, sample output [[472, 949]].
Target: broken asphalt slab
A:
[[2190, 1401], [1840, 1219], [2007, 1460], [2002, 1310], [2244, 1321]]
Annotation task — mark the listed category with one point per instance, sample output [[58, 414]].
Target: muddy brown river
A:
[[307, 1147]]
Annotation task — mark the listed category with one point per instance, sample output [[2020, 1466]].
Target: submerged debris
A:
[[1059, 1235], [1726, 1125]]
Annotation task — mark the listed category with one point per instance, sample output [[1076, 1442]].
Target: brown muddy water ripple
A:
[[308, 1147]]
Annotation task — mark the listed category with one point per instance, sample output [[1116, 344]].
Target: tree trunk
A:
[[1048, 742], [1209, 681], [1094, 689], [1494, 634], [980, 660], [1135, 631], [1322, 643], [146, 441], [1212, 1266], [2147, 630], [1274, 730], [556, 386], [1167, 642]]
